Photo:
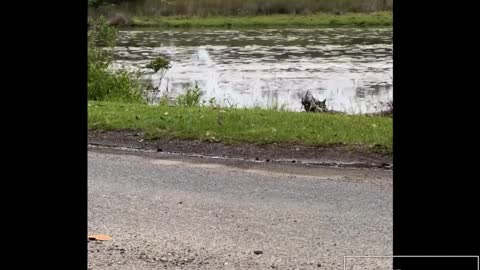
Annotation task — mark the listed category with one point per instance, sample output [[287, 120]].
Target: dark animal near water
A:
[[311, 104], [118, 19]]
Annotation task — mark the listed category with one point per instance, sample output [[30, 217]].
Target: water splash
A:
[[352, 69], [207, 77], [202, 57]]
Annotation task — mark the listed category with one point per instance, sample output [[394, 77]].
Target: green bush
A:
[[191, 98], [159, 63], [121, 85], [103, 83]]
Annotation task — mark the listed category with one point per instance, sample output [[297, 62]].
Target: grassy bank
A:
[[236, 7], [244, 125], [380, 19]]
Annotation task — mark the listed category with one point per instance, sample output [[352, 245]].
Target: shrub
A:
[[103, 83], [191, 98]]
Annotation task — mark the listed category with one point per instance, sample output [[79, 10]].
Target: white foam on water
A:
[[350, 77]]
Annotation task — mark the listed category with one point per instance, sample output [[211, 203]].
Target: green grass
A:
[[244, 125], [378, 19]]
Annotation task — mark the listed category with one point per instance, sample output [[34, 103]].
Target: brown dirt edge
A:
[[338, 156]]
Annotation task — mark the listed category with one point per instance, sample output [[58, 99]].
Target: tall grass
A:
[[103, 83], [191, 97], [244, 7]]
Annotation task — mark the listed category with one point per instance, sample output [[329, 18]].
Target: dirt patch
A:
[[292, 153]]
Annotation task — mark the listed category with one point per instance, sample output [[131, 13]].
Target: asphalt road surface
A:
[[182, 213]]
